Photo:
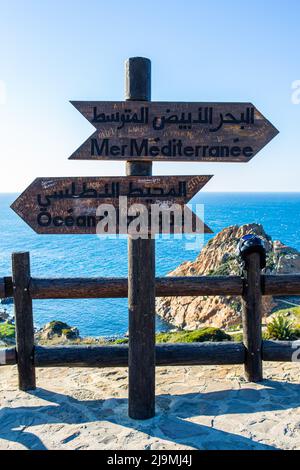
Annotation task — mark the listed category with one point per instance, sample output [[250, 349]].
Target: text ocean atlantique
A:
[[171, 148]]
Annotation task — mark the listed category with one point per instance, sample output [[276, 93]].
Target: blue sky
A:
[[55, 51]]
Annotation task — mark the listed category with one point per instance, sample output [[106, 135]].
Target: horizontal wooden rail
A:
[[281, 351], [117, 287], [210, 353], [8, 356], [105, 287], [198, 285], [117, 356], [6, 287], [281, 284], [78, 288]]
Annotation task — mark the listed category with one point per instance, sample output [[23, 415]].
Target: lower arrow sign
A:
[[89, 205]]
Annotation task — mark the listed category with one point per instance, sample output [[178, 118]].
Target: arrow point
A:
[[196, 183], [275, 130], [75, 104], [207, 229], [75, 156]]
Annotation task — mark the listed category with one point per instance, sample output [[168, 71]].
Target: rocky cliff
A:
[[217, 258]]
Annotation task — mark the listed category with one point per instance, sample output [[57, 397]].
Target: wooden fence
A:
[[251, 286]]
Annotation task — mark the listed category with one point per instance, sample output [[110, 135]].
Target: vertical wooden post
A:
[[252, 315], [141, 275], [23, 320]]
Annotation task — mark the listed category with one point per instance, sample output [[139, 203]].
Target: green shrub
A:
[[237, 337], [293, 312], [58, 327], [281, 328], [222, 270], [195, 336], [270, 261], [264, 335], [7, 331], [120, 341], [68, 333], [233, 328]]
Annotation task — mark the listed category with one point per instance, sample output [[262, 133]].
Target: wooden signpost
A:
[[71, 205], [139, 131], [211, 132]]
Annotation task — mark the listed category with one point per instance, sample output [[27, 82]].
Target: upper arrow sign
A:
[[138, 130], [78, 205]]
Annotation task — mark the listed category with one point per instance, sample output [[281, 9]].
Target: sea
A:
[[91, 256]]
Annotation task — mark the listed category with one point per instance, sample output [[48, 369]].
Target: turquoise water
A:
[[81, 255]]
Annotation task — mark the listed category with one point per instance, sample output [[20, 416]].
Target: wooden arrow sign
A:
[[138, 130], [84, 205]]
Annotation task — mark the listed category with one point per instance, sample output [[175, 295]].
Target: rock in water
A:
[[219, 258], [57, 329]]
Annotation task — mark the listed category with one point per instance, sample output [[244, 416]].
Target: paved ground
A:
[[197, 407]]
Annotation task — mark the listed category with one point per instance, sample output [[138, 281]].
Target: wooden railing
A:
[[106, 287], [251, 286]]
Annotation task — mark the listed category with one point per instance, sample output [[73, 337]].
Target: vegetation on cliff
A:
[[220, 258], [7, 332], [195, 336]]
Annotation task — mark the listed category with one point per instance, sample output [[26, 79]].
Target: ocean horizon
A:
[[90, 256]]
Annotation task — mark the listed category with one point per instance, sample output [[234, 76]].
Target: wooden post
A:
[[23, 320], [252, 314], [141, 275]]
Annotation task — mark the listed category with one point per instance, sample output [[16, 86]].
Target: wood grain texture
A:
[[281, 284], [173, 131], [102, 287], [141, 304], [105, 287], [23, 320], [8, 356], [251, 316], [281, 351], [141, 276], [138, 79], [166, 354], [6, 287], [80, 205], [117, 356]]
